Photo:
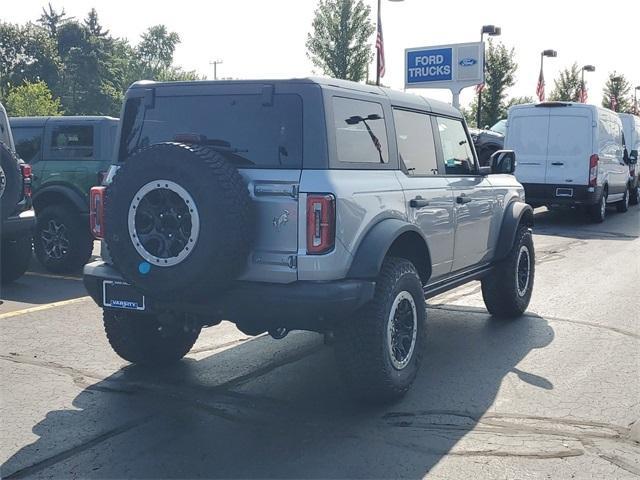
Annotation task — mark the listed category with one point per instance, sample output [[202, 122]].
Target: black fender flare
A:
[[373, 249], [515, 214], [68, 193]]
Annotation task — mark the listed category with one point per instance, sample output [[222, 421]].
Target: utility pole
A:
[[215, 64]]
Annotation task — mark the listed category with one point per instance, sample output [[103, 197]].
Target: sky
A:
[[266, 38]]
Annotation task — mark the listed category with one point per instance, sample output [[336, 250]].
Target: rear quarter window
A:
[[28, 141], [72, 142]]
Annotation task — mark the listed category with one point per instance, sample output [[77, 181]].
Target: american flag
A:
[[583, 94], [380, 48], [540, 87], [614, 103], [479, 88]]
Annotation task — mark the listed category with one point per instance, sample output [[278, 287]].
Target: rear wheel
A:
[[379, 350], [623, 205], [598, 212], [507, 290], [62, 241], [140, 338], [15, 256]]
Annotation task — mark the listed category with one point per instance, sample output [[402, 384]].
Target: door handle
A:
[[418, 202], [557, 164], [462, 199]]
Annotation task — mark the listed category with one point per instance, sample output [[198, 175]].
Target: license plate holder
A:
[[117, 294], [564, 192]]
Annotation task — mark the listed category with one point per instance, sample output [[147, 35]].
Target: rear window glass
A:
[[361, 136], [528, 135], [570, 136], [28, 143], [254, 134], [72, 141]]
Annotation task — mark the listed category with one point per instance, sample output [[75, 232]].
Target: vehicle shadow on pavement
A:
[[286, 413], [573, 223]]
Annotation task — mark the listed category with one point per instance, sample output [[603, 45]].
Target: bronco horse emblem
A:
[[281, 220]]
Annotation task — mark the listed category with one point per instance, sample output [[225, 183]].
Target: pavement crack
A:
[[78, 376], [482, 311], [59, 457]]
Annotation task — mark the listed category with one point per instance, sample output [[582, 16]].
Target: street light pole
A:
[[545, 53], [586, 68], [635, 100], [493, 31]]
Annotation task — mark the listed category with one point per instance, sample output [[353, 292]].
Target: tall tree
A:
[[156, 48], [617, 93], [567, 86], [93, 24], [52, 20], [32, 99], [339, 42], [500, 69]]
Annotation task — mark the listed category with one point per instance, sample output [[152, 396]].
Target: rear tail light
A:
[[96, 211], [593, 170], [321, 223], [26, 179]]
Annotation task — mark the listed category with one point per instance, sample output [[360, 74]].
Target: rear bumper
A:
[[19, 225], [257, 307], [537, 194]]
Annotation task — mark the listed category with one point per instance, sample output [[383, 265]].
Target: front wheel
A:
[[623, 205], [634, 194], [15, 255], [507, 289], [379, 350], [140, 338], [62, 241]]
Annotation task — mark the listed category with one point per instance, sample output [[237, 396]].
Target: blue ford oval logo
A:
[[467, 62]]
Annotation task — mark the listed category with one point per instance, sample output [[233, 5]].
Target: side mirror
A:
[[633, 157], [503, 161]]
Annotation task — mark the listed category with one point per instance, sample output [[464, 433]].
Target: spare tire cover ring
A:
[[188, 203]]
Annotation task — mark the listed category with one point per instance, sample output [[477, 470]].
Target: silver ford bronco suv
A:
[[310, 204]]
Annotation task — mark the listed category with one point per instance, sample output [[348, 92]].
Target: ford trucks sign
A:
[[446, 66]]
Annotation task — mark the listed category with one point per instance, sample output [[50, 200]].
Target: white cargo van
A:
[[631, 129], [569, 154]]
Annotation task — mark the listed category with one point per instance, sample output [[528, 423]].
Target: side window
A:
[[458, 157], [416, 146], [361, 135], [28, 142], [72, 141]]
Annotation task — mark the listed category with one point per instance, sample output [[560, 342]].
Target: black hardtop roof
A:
[[394, 96], [40, 121]]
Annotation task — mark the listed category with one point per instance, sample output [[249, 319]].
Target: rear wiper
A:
[[216, 144]]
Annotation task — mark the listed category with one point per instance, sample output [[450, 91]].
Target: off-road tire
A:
[[634, 194], [596, 212], [139, 338], [220, 199], [623, 205], [361, 344], [500, 290], [77, 233], [15, 258], [10, 181]]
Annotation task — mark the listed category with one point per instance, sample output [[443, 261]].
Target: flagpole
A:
[[378, 51]]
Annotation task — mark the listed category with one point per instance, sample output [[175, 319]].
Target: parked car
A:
[[313, 204], [569, 154], [631, 129], [68, 156], [17, 217], [487, 142]]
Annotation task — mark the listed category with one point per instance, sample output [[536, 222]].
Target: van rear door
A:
[[527, 135], [570, 145]]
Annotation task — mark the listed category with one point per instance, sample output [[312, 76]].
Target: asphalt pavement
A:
[[554, 394]]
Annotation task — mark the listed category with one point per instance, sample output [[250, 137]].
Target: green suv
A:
[[68, 155]]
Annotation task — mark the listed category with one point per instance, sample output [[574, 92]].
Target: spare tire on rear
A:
[[10, 181], [178, 220]]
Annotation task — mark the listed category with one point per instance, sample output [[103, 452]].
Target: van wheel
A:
[[634, 194], [379, 350], [15, 255], [506, 291], [140, 338], [598, 212], [623, 205], [62, 241]]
